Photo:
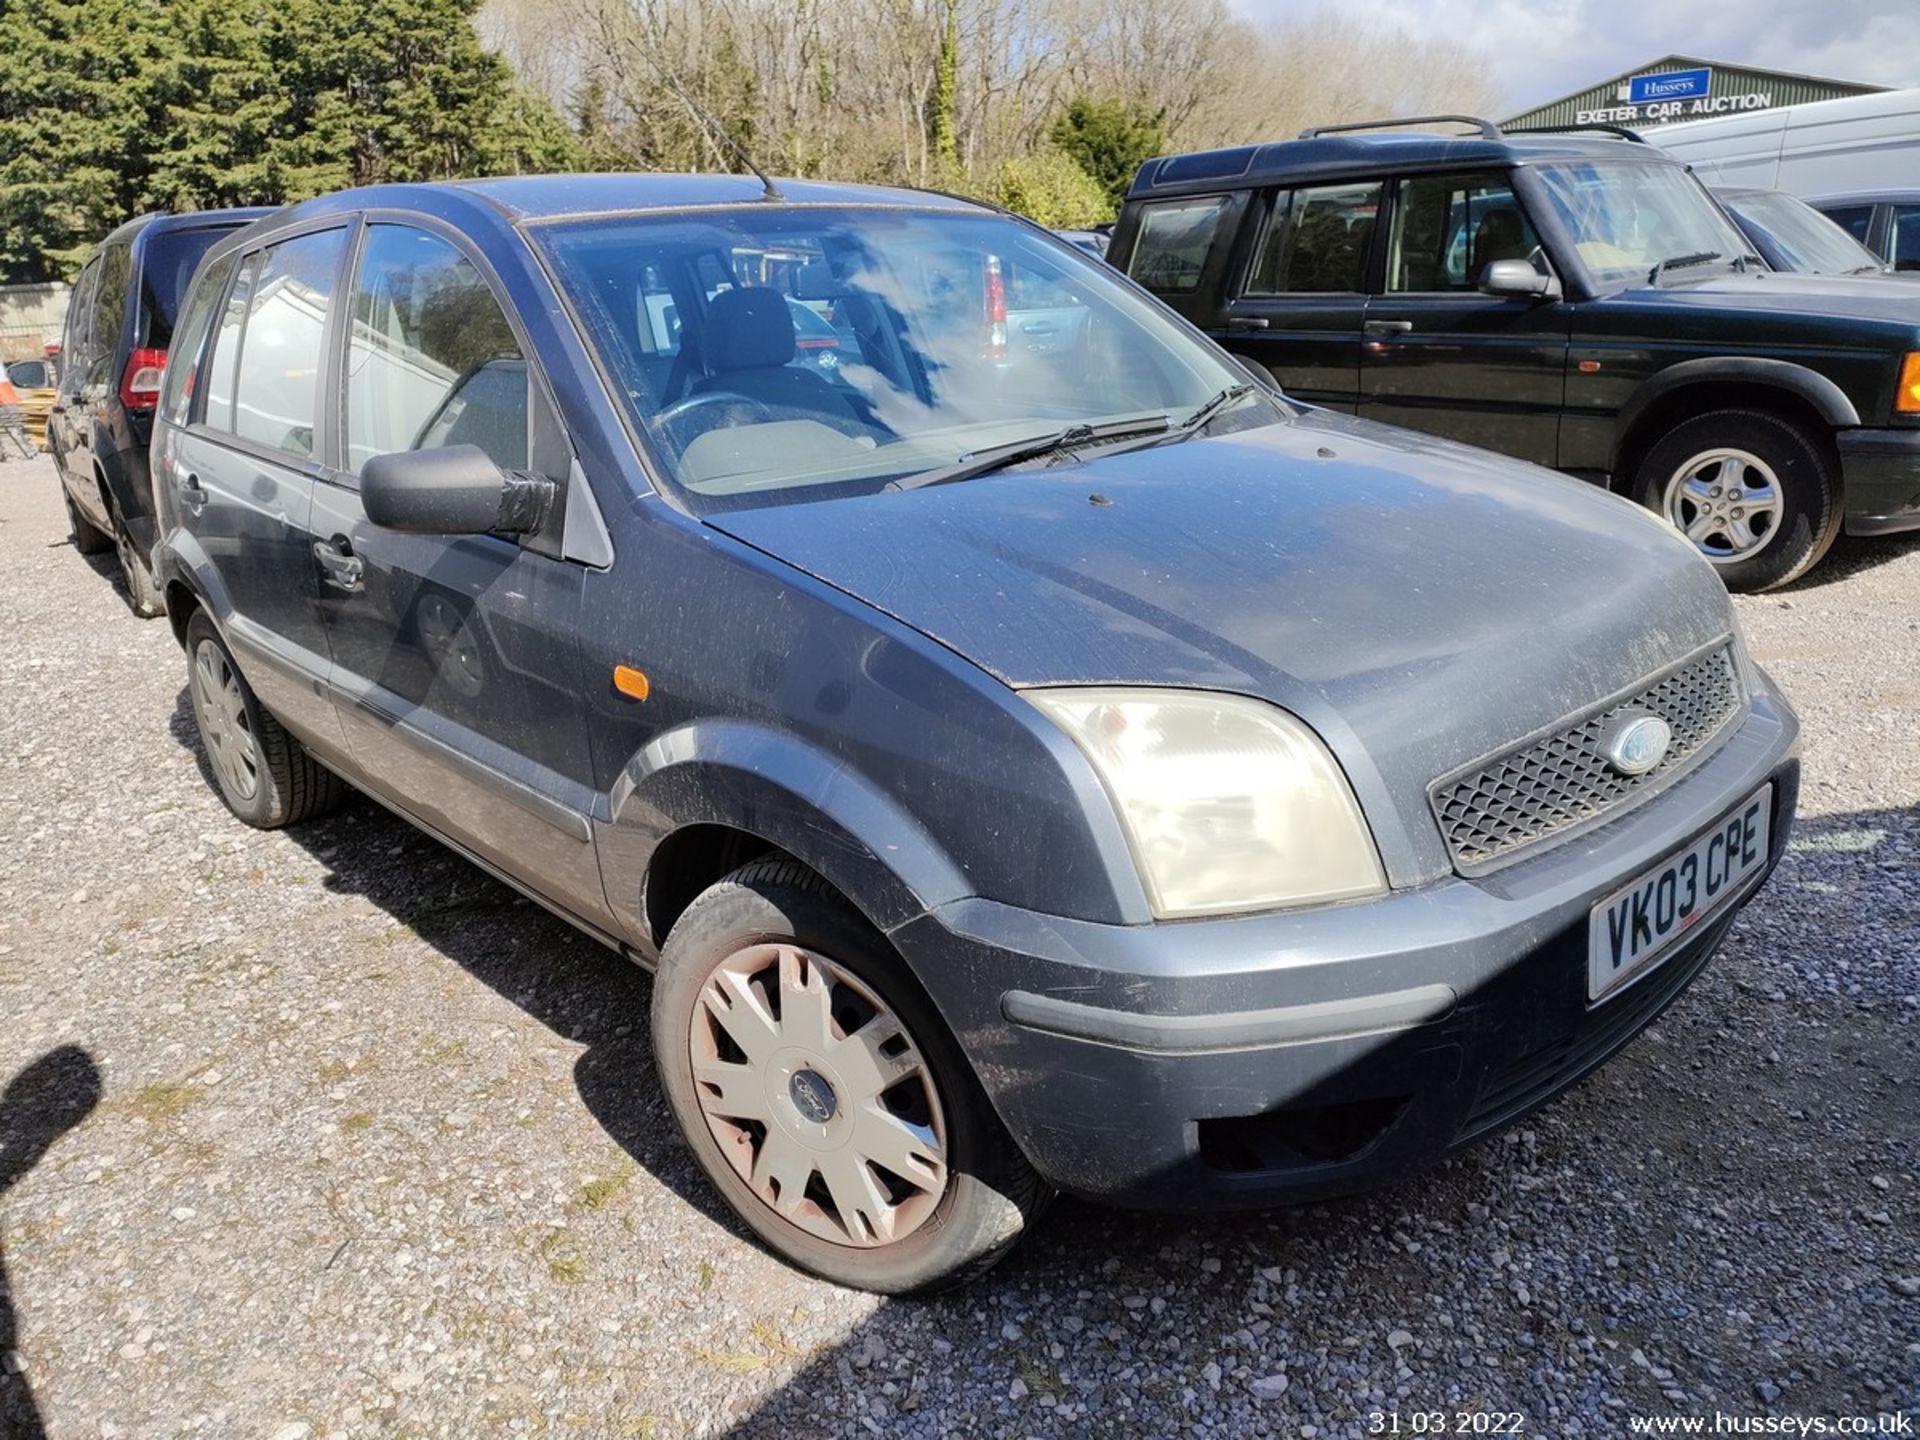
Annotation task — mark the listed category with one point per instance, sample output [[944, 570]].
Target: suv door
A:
[[242, 475], [1439, 355], [1300, 310], [455, 658], [68, 428]]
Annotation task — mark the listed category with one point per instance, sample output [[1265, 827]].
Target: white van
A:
[[1864, 142]]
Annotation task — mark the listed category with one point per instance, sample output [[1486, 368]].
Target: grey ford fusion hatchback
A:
[[1032, 755]]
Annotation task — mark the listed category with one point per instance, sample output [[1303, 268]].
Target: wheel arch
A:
[[704, 798], [1803, 397]]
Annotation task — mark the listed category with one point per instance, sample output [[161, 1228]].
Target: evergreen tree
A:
[[79, 105], [112, 107], [1109, 139]]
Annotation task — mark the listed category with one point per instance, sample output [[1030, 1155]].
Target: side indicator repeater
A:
[[631, 682]]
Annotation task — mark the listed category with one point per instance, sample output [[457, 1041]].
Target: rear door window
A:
[[1317, 240], [1448, 228], [1905, 249], [1175, 237], [432, 360], [76, 345], [277, 390]]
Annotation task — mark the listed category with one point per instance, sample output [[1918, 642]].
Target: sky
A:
[[1539, 50]]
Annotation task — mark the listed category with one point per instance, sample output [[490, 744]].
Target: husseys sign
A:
[[1673, 95]]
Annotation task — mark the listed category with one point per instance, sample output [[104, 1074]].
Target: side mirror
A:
[[453, 490], [1518, 280]]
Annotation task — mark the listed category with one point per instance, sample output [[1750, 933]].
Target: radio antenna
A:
[[714, 129]]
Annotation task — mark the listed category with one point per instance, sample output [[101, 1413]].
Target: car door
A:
[[1300, 309], [1438, 354], [243, 474], [455, 660], [68, 430]]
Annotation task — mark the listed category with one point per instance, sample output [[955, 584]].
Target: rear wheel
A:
[[265, 776], [1754, 494], [142, 594], [823, 1095], [88, 538]]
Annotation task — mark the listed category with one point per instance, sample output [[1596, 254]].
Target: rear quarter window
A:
[[1175, 238], [110, 306]]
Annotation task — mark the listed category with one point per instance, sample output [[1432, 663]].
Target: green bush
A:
[[1050, 188]]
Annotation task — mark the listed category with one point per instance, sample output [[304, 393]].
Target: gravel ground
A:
[[324, 1133]]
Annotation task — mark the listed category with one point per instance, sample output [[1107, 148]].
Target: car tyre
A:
[[88, 538], [142, 594], [770, 978], [265, 776], [1755, 493]]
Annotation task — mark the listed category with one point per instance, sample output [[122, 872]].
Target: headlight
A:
[[1229, 803]]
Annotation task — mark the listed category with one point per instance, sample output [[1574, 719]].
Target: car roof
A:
[[543, 197], [1314, 156], [1866, 197], [161, 224]]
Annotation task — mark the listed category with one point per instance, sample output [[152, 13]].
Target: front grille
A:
[[1562, 781]]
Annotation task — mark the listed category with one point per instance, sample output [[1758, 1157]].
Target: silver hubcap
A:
[[818, 1096], [1727, 502], [221, 711]]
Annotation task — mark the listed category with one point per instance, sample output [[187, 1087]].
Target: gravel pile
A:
[[324, 1133]]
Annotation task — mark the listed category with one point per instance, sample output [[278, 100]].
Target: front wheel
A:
[[1753, 492], [823, 1095]]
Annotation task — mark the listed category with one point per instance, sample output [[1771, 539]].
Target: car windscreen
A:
[[168, 264], [701, 321], [1804, 238], [1626, 219]]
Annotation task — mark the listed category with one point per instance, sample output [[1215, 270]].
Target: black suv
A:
[[119, 324], [1573, 299]]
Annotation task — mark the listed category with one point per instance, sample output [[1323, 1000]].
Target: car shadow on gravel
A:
[[41, 1103], [1853, 555], [1129, 1279]]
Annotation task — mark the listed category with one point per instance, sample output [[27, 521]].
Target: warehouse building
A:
[[1684, 87]]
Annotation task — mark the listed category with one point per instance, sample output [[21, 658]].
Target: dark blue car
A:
[[1025, 768]]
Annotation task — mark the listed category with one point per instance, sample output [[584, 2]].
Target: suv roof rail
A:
[[1620, 130], [1488, 130]]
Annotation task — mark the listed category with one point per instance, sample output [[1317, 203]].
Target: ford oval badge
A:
[[1638, 743]]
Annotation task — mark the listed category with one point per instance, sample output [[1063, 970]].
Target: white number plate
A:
[[1635, 926]]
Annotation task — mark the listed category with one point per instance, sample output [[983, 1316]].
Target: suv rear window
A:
[[1175, 236], [167, 265]]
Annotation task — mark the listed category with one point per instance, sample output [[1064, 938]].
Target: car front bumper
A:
[[1880, 470], [1291, 1057]]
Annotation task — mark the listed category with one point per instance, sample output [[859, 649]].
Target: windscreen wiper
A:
[[999, 457], [1231, 395], [1677, 262]]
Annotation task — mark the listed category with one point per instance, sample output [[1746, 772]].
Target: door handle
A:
[[1387, 327], [341, 566], [1246, 322], [192, 496]]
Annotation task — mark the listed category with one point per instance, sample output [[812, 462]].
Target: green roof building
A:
[[1684, 87]]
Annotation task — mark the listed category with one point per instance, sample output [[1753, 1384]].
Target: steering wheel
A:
[[674, 418]]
